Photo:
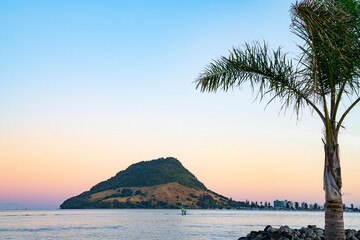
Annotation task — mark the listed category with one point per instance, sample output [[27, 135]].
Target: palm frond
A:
[[268, 72]]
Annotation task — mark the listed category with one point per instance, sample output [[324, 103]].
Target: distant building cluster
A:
[[285, 205], [296, 205], [305, 206]]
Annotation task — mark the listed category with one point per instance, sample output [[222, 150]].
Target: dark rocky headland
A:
[[311, 232]]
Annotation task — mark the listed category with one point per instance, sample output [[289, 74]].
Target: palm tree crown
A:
[[327, 68]]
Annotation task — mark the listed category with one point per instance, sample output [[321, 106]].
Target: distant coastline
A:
[[355, 210]]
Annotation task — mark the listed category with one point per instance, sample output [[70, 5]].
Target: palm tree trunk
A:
[[334, 221]]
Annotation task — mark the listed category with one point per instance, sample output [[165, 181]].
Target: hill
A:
[[160, 183]]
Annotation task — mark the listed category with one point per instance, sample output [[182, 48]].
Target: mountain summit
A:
[[160, 183], [151, 173]]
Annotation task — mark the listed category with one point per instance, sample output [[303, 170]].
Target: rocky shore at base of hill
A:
[[311, 232]]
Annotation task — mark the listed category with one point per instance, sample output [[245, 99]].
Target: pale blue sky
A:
[[97, 57], [104, 84]]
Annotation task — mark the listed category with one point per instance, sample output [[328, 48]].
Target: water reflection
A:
[[152, 224]]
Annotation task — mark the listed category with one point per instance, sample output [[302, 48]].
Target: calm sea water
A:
[[151, 224]]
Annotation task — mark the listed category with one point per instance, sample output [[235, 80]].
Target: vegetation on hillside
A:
[[151, 173], [170, 196]]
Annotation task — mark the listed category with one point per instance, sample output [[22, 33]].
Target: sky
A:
[[88, 88]]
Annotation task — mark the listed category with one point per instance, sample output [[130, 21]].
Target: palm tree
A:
[[326, 71]]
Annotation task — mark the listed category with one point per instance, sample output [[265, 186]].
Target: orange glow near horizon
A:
[[51, 170]]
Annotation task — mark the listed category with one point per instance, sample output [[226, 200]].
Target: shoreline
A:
[[222, 209]]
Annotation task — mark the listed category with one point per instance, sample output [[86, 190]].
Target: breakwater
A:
[[311, 232]]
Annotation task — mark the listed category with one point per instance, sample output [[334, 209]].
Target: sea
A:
[[154, 224]]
